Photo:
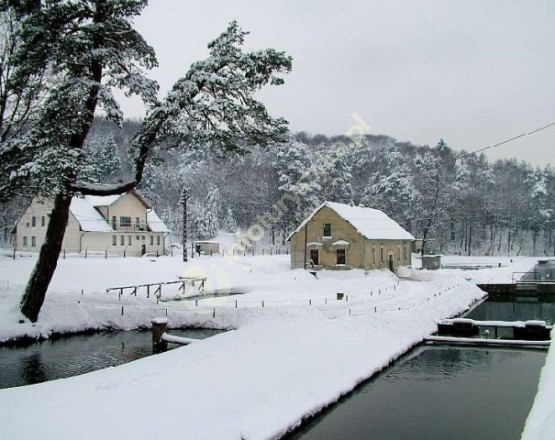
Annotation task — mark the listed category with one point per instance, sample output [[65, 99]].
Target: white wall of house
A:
[[128, 212]]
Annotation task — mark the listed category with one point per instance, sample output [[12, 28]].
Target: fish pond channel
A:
[[78, 354], [435, 393]]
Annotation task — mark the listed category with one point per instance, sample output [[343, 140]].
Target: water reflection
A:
[[70, 356], [439, 393], [32, 368]]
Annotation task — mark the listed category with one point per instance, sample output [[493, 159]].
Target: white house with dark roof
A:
[[335, 235], [122, 224]]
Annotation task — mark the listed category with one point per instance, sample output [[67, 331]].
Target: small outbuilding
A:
[[207, 247], [337, 236]]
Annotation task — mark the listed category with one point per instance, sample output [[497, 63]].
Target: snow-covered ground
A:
[[295, 347]]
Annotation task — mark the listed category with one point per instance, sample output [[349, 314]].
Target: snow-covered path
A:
[[283, 362]]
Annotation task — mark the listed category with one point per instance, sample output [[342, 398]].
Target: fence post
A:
[[214, 313], [148, 290], [64, 254], [262, 303], [106, 254], [309, 302], [121, 310], [235, 303], [85, 253], [159, 327], [14, 253]]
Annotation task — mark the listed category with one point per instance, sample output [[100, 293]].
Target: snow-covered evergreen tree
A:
[[299, 177]]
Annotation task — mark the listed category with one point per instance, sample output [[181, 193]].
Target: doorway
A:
[[314, 261]]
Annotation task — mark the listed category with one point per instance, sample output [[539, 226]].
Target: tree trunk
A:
[[470, 241], [36, 288]]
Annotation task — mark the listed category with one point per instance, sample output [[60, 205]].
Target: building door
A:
[[340, 254], [314, 257], [143, 249], [391, 262]]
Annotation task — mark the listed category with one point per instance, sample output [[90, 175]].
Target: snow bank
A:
[[540, 424]]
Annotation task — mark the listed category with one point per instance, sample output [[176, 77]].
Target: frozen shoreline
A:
[[284, 362]]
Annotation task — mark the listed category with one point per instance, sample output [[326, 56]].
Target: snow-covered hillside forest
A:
[[461, 203]]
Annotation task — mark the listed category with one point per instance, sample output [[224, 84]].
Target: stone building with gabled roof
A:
[[338, 236], [123, 224]]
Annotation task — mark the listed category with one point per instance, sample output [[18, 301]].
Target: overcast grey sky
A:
[[474, 72]]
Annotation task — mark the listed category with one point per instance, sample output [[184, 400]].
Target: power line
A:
[[508, 140]]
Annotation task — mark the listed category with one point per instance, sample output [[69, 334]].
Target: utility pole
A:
[[184, 200]]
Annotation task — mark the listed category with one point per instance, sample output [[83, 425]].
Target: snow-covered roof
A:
[[103, 200], [155, 224], [90, 220], [372, 224]]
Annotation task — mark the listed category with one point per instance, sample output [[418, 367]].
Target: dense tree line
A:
[[458, 202]]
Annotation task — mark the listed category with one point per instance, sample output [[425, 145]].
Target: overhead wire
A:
[[506, 141]]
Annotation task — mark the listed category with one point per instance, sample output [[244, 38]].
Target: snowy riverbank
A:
[[296, 348]]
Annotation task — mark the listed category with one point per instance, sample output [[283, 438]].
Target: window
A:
[[398, 253], [143, 238], [114, 222], [381, 255], [314, 257], [152, 240], [373, 255], [33, 221], [340, 255], [33, 241], [129, 240], [25, 241], [125, 222], [158, 240], [43, 221], [327, 229], [114, 240], [137, 221], [404, 252], [122, 240]]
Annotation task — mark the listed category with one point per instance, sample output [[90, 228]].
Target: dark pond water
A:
[[73, 355], [522, 310], [438, 393]]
